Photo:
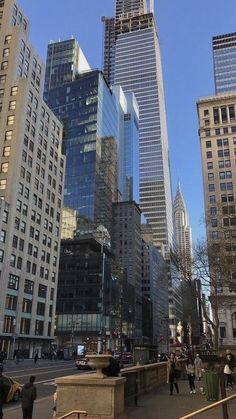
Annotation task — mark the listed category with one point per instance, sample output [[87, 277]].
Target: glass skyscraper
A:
[[87, 108], [132, 60], [128, 145], [224, 57], [65, 59]]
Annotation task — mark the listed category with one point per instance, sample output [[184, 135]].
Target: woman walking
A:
[[173, 373], [190, 369], [228, 371]]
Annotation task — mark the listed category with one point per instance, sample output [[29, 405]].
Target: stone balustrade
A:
[[105, 398]]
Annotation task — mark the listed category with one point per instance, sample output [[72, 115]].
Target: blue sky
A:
[[185, 28]]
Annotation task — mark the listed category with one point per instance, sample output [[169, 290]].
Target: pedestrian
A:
[[228, 371], [190, 369], [173, 373], [55, 403], [28, 395], [36, 357], [113, 368], [198, 367]]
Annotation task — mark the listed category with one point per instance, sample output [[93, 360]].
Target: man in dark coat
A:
[[113, 368], [28, 396]]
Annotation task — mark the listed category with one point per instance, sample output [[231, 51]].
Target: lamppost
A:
[[102, 232]]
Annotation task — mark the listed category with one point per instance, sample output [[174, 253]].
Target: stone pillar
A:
[[101, 398]]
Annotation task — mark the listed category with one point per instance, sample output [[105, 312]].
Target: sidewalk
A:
[[42, 409], [160, 405]]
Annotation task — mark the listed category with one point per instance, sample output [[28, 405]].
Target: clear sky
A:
[[185, 28]]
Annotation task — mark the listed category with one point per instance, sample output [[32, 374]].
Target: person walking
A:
[[28, 395], [228, 371], [190, 369], [173, 373], [198, 367], [36, 357]]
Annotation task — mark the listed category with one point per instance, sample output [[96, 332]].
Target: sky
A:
[[185, 30]]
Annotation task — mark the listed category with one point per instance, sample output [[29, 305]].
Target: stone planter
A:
[[98, 362]]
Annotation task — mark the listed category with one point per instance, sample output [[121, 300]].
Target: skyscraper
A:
[[87, 108], [132, 60], [128, 145], [65, 59], [217, 131], [182, 228], [224, 57], [31, 193]]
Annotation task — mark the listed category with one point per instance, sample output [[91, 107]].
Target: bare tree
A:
[[214, 264]]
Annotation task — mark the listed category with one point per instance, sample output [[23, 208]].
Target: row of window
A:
[[224, 198], [227, 186], [9, 324], [209, 132], [14, 280]]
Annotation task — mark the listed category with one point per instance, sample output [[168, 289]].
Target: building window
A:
[[216, 115], [7, 39], [3, 236], [6, 151], [208, 144], [12, 105], [4, 167], [29, 287], [10, 120], [39, 327], [210, 176], [4, 65], [222, 332], [210, 165], [234, 324], [3, 184], [25, 326], [42, 291], [40, 309], [9, 323], [209, 154], [11, 302], [211, 187], [212, 199], [13, 282], [14, 90], [26, 306]]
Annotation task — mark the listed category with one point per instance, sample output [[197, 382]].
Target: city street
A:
[[45, 372]]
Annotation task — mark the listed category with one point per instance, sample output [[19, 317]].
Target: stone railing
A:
[[143, 379], [105, 398]]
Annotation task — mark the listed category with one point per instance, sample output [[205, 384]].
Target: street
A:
[[45, 371]]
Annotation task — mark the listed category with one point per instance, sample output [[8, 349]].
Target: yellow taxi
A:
[[13, 389]]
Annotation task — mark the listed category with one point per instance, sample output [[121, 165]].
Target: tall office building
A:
[[128, 145], [224, 57], [132, 60], [87, 108], [65, 59], [183, 232], [126, 246], [217, 130], [31, 192], [155, 288]]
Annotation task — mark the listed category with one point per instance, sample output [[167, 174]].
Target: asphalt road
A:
[[45, 372]]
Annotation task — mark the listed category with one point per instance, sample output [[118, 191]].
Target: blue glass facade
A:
[[224, 55], [128, 146], [88, 111]]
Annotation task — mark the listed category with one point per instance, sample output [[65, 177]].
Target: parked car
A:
[[82, 364], [14, 389]]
